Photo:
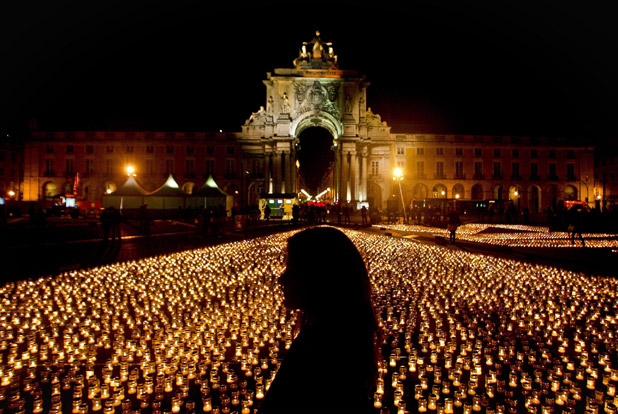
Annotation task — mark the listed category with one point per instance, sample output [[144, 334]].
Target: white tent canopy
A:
[[129, 195], [168, 196], [210, 195]]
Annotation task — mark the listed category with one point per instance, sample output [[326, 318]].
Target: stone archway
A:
[[458, 191], [515, 195], [439, 191], [315, 157], [477, 193], [569, 193], [419, 192], [497, 192], [534, 199], [50, 190], [315, 93], [316, 119], [89, 191]]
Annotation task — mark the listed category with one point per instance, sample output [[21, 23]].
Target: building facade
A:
[[533, 172], [262, 158], [99, 161]]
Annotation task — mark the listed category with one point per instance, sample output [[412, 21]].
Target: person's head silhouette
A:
[[326, 278]]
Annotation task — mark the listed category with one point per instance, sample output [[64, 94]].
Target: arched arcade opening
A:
[[315, 160]]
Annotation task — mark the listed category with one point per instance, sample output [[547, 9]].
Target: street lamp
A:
[[130, 170], [398, 176]]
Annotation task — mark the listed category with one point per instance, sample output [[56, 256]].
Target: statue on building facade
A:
[[269, 105], [373, 119], [321, 52], [348, 105], [285, 104], [257, 117]]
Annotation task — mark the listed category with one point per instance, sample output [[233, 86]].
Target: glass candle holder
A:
[[431, 403], [422, 405], [377, 400]]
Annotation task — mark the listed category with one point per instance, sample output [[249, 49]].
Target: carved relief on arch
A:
[[317, 96]]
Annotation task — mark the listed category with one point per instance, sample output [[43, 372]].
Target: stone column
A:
[[277, 172], [354, 175], [363, 183], [337, 175], [348, 176], [343, 176], [283, 172], [292, 173], [268, 173]]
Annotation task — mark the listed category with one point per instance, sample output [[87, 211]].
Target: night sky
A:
[[468, 67]]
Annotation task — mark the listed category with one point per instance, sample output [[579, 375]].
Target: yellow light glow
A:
[[209, 319], [397, 173], [130, 170]]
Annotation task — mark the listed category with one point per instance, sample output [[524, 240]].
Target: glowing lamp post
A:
[[130, 170], [398, 176]]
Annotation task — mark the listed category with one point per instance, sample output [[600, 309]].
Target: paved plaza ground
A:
[[69, 244], [199, 329]]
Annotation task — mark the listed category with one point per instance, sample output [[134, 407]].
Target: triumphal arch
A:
[[315, 92]]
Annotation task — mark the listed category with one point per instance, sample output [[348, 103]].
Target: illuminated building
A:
[[533, 172], [605, 190], [52, 159]]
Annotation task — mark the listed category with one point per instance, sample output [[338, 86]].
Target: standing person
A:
[[339, 212], [346, 213], [116, 219], [453, 223], [267, 212], [336, 311], [295, 214], [364, 215], [106, 223], [576, 223]]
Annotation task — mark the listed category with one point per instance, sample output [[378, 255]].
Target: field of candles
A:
[[204, 331], [513, 235]]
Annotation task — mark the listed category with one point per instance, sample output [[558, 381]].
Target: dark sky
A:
[[543, 68]]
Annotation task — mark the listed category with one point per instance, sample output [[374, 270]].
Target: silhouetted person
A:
[[364, 215], [295, 214], [453, 223], [267, 212], [143, 219], [576, 224], [106, 223], [331, 365], [116, 218]]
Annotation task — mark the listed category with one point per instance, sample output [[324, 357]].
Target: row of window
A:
[[149, 149], [3, 156], [478, 170], [497, 152], [149, 167], [12, 175]]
